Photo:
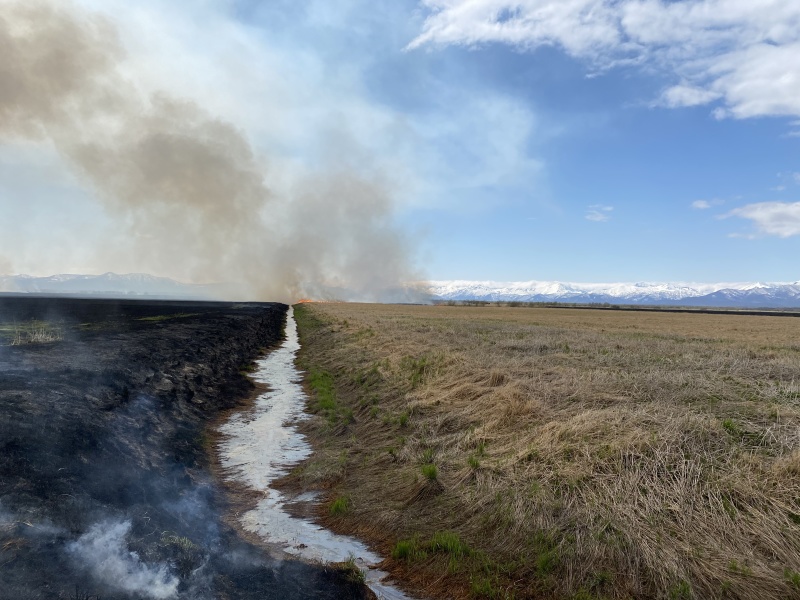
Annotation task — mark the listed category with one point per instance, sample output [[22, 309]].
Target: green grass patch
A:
[[430, 472], [408, 550], [546, 562], [326, 402], [351, 570], [340, 506], [681, 591], [441, 542], [485, 575], [402, 420], [481, 586], [735, 567], [449, 542], [417, 369], [307, 321], [160, 318], [792, 578], [322, 384]]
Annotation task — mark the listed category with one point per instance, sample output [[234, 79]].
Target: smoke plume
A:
[[188, 195], [103, 551]]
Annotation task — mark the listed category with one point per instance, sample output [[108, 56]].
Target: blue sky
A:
[[574, 140]]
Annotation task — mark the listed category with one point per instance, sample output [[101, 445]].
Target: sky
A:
[[571, 140]]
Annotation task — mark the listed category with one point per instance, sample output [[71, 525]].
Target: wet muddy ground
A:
[[105, 487]]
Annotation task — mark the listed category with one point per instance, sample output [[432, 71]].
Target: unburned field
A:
[[533, 452]]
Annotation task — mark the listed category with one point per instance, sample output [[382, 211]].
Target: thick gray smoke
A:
[[189, 196]]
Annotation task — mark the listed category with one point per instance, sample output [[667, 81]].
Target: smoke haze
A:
[[103, 551], [186, 194]]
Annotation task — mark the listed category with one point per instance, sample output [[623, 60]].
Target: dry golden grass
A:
[[579, 454]]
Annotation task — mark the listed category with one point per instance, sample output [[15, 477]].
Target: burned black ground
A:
[[105, 487]]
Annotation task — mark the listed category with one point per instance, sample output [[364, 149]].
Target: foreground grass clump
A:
[[350, 570], [340, 506], [577, 453], [430, 472]]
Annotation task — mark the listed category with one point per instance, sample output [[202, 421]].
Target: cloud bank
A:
[[781, 219], [744, 55]]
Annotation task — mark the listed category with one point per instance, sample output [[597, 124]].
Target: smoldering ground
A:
[[105, 487], [187, 194]]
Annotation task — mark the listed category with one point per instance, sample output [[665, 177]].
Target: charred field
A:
[[105, 470]]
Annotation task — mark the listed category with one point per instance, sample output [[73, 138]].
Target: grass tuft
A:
[[408, 550], [430, 472], [449, 543], [340, 506], [792, 578]]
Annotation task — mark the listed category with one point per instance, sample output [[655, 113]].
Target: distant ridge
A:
[[109, 285], [739, 295], [742, 295]]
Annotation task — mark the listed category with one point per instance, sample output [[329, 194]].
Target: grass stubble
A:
[[31, 332], [550, 453]]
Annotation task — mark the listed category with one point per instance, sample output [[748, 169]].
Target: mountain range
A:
[[107, 285], [744, 295]]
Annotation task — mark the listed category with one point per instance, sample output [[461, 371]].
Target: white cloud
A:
[[706, 204], [598, 213], [745, 54], [781, 219], [580, 26], [687, 95]]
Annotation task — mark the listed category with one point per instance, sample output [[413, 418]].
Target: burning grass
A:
[[563, 453]]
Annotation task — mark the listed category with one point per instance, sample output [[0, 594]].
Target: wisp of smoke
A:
[[103, 551], [189, 196], [6, 518]]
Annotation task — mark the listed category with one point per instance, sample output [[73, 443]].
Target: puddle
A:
[[262, 444]]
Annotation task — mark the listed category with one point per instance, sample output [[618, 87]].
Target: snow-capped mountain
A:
[[751, 295], [745, 295], [108, 285]]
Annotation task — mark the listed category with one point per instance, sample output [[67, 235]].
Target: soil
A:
[[106, 488]]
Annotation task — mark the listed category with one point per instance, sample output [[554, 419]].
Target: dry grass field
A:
[[556, 453]]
